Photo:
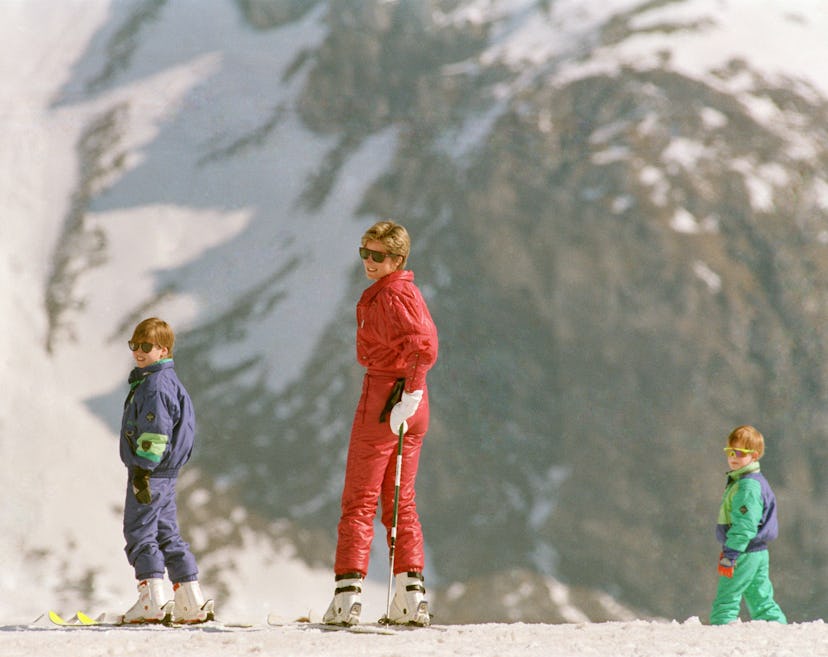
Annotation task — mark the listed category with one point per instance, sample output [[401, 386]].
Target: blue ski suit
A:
[[157, 435]]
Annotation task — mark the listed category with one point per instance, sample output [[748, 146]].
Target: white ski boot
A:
[[151, 606], [346, 605], [190, 606], [409, 606]]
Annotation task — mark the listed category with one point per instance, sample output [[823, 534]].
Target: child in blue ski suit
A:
[[747, 523], [157, 435]]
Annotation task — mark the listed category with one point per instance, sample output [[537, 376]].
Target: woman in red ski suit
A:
[[396, 342]]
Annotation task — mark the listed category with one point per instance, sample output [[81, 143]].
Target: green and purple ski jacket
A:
[[747, 519]]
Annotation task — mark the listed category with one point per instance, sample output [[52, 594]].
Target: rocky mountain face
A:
[[623, 265]]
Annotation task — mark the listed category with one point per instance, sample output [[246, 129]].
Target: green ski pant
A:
[[750, 579]]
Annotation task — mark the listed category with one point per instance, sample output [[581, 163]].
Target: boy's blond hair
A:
[[394, 236], [156, 331], [748, 437]]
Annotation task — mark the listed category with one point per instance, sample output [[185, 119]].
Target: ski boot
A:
[[409, 606], [190, 606], [150, 607], [346, 605]]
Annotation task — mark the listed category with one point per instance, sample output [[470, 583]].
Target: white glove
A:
[[404, 409]]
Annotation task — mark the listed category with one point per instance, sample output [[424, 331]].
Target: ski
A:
[[86, 620], [361, 628], [274, 620], [78, 620], [381, 627], [81, 620], [109, 620], [353, 629]]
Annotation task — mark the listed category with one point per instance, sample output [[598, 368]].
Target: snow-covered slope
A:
[[632, 639]]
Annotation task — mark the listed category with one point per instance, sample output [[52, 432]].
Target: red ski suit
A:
[[396, 338]]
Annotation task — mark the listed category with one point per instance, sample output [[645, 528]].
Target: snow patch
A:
[[710, 278]]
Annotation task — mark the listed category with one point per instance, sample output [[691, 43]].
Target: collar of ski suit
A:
[[386, 281], [747, 469], [138, 374]]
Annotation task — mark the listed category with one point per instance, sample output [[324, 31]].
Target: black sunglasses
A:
[[376, 256], [146, 347]]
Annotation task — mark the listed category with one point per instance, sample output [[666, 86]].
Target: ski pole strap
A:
[[393, 398]]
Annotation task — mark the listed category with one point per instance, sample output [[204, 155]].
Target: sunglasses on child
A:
[[737, 452], [146, 347], [376, 256]]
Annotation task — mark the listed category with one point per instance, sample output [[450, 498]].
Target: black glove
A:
[[141, 485]]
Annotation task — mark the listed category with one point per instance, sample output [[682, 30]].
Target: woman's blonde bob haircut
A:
[[393, 236]]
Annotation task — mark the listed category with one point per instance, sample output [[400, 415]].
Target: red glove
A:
[[726, 565]]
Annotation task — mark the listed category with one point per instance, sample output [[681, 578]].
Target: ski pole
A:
[[392, 546]]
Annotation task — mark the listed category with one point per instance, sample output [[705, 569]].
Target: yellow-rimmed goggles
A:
[[738, 452]]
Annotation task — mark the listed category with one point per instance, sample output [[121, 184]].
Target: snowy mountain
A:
[[619, 216]]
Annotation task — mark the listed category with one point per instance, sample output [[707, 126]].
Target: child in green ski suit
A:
[[747, 523]]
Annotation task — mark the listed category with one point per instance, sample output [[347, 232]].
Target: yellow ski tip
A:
[[85, 620], [56, 618]]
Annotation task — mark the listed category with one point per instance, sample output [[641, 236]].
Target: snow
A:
[[617, 639], [791, 36], [530, 35], [714, 32], [708, 276]]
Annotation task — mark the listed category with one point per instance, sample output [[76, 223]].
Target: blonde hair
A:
[[748, 437], [156, 331], [393, 236]]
